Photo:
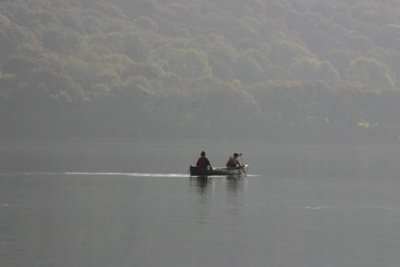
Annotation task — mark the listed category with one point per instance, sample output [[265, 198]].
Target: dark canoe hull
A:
[[196, 171]]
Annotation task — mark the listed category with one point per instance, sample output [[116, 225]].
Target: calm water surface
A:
[[133, 204]]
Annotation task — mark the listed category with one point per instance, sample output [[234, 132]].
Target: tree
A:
[[189, 63], [313, 69], [60, 39], [136, 47], [222, 70], [18, 64], [370, 72], [59, 86], [285, 52], [340, 59], [248, 71], [146, 23]]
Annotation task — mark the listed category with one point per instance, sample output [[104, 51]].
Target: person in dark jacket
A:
[[203, 162]]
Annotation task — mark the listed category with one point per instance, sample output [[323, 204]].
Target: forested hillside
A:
[[288, 70]]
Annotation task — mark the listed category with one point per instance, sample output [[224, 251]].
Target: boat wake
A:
[[120, 174], [127, 174], [130, 174]]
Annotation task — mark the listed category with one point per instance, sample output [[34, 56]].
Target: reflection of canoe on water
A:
[[196, 171]]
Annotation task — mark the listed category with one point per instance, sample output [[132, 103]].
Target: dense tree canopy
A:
[[314, 70]]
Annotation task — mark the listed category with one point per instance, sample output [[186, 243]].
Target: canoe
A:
[[196, 171]]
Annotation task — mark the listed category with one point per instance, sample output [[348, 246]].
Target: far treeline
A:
[[277, 71]]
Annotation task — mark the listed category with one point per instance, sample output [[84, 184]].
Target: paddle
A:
[[241, 165]]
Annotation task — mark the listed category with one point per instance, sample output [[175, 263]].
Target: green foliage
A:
[[135, 46], [189, 63], [146, 23], [18, 64], [247, 70], [56, 85], [285, 52], [313, 69], [371, 72], [60, 39]]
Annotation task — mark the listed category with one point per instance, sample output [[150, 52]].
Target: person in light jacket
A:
[[233, 162]]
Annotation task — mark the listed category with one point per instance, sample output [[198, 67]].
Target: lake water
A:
[[106, 204]]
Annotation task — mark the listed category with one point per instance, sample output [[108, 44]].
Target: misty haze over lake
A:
[[105, 104]]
